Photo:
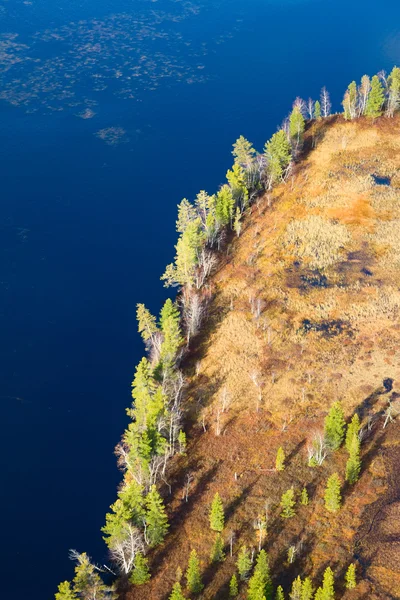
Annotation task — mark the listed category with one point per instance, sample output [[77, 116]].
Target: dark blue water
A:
[[87, 227]]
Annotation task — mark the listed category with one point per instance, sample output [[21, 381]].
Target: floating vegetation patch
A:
[[126, 54], [112, 135], [327, 328]]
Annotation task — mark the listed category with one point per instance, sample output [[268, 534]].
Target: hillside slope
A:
[[304, 313]]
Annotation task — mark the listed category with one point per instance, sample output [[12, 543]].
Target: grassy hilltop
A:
[[304, 313]]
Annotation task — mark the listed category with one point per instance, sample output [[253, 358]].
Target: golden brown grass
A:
[[267, 358]]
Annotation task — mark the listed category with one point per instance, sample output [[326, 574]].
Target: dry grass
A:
[[346, 235]]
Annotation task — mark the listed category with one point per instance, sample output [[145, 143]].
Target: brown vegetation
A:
[[295, 325]]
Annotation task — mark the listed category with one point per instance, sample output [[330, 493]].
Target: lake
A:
[[110, 113]]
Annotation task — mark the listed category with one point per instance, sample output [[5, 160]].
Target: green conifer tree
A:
[[233, 587], [243, 563], [393, 101], [307, 590], [319, 594], [328, 589], [193, 576], [304, 500], [217, 517], [172, 336], [277, 152], [317, 110], [352, 430], [260, 584], [146, 322], [65, 592], [156, 518], [280, 459], [224, 206], [217, 551], [182, 442], [353, 465], [177, 593], [87, 583], [243, 151], [351, 581], [335, 426], [237, 180], [188, 248], [333, 498], [279, 593], [288, 503], [140, 573], [295, 593], [376, 99]]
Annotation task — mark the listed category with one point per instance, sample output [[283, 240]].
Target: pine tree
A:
[[188, 248], [224, 206], [353, 465], [307, 590], [243, 151], [295, 593], [317, 110], [279, 593], [376, 99], [296, 126], [193, 577], [87, 582], [351, 581], [260, 584], [140, 573], [171, 330], [217, 517], [304, 500], [146, 322], [280, 459], [65, 592], [333, 498], [237, 180], [277, 152], [334, 426], [217, 551], [156, 518], [244, 563], [177, 593], [233, 587], [328, 589], [353, 429], [287, 503]]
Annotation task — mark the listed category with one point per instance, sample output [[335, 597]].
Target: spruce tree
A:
[[224, 206], [217, 517], [295, 593], [260, 584], [304, 500], [351, 581], [237, 181], [376, 99], [65, 592], [353, 429], [279, 593], [319, 594], [393, 102], [244, 563], [334, 426], [156, 518], [146, 322], [217, 551], [280, 459], [287, 503], [277, 152], [353, 465], [193, 577], [233, 587], [177, 593], [333, 498], [328, 589], [307, 590], [171, 330], [317, 110], [140, 573]]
